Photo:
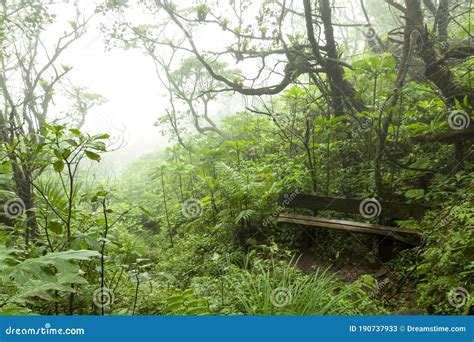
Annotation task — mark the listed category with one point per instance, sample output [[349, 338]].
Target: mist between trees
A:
[[341, 102]]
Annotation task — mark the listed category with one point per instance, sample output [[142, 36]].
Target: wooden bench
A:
[[388, 211], [456, 138]]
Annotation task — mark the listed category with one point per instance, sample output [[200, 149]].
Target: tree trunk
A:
[[340, 88], [22, 178], [436, 69]]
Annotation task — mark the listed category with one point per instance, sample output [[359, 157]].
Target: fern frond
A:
[[245, 215]]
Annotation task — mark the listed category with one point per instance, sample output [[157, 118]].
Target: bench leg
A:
[[307, 237], [384, 250]]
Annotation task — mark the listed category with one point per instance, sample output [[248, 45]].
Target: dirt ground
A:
[[350, 267]]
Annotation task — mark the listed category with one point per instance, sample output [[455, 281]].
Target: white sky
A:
[[127, 79]]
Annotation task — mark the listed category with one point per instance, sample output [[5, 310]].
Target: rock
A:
[[380, 272]]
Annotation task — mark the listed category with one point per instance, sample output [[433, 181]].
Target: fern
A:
[[38, 277], [14, 310], [54, 193], [186, 303], [234, 180], [245, 215]]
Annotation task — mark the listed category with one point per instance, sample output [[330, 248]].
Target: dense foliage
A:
[[191, 229]]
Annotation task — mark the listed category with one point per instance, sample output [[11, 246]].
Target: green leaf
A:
[[75, 131], [389, 63], [71, 142], [98, 145], [146, 211], [415, 193], [244, 215], [55, 227], [40, 268], [102, 136], [58, 165], [58, 152], [375, 61], [92, 155], [66, 153], [13, 310]]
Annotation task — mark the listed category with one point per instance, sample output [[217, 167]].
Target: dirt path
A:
[[349, 269]]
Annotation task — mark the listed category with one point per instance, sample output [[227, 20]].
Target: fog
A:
[[127, 79]]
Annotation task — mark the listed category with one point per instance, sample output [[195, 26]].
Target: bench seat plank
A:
[[405, 235]]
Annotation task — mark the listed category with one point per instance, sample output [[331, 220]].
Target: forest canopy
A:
[[316, 159]]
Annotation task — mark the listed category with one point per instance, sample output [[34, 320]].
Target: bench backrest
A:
[[394, 210]]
